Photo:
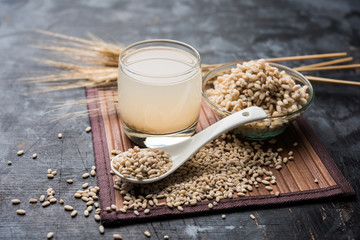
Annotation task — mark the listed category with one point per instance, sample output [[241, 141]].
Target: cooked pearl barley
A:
[[142, 163]]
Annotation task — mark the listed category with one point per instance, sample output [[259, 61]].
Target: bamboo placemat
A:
[[295, 181]]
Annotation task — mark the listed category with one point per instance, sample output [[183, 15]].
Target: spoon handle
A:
[[247, 115]]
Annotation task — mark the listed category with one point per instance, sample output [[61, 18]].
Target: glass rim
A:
[[195, 53], [229, 66]]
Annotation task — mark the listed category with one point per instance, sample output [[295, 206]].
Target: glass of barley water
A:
[[159, 91]]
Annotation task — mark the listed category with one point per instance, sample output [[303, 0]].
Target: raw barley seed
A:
[[45, 204], [42, 198], [15, 201], [101, 229], [117, 236], [9, 162], [249, 172], [143, 164], [85, 185], [97, 217], [50, 235], [113, 207], [86, 213], [34, 156], [85, 175], [20, 152], [32, 200], [68, 208], [147, 234], [60, 135], [20, 212], [223, 216], [61, 201], [252, 217], [88, 129], [98, 211], [69, 181], [74, 213]]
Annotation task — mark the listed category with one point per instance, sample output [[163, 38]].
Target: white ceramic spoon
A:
[[181, 152]]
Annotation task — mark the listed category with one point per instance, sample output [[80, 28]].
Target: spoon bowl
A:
[[181, 152]]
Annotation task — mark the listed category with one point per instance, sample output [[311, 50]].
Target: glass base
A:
[[159, 140]]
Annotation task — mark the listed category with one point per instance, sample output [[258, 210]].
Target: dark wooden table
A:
[[222, 31]]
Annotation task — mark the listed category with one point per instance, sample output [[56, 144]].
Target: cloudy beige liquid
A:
[[159, 90]]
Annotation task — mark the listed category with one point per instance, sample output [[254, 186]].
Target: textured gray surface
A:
[[222, 31]]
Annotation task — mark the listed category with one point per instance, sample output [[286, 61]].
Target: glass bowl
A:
[[268, 127]]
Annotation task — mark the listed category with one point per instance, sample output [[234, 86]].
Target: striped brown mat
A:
[[295, 181]]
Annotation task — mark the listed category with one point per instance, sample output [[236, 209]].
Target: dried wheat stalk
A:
[[93, 62]]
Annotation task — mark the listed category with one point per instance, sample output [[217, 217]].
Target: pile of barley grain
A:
[[221, 169], [256, 83], [142, 163]]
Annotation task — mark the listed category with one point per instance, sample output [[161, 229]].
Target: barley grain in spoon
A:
[[181, 152]]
